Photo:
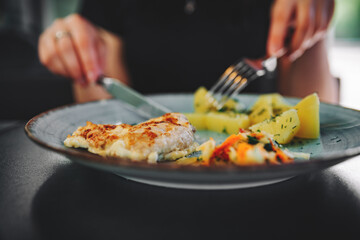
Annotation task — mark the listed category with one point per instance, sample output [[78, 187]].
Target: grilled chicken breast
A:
[[168, 137]]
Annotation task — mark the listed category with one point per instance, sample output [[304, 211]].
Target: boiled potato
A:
[[233, 105], [308, 111], [226, 123], [219, 122], [197, 120], [283, 127], [264, 99], [267, 106], [279, 104], [202, 103], [261, 110]]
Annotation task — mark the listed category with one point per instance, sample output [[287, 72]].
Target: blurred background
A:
[[23, 79], [344, 50]]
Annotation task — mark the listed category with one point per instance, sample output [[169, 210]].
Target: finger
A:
[[101, 49], [328, 13], [48, 55], [325, 11], [319, 15], [303, 28], [58, 67], [69, 58], [85, 37], [310, 33], [66, 52], [280, 19]]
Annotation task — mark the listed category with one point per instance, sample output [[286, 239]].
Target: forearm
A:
[[310, 73]]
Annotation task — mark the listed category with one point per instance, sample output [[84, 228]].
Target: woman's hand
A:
[[73, 47], [309, 18]]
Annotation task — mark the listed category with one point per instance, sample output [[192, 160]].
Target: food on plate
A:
[[168, 137], [261, 110], [198, 120], [243, 149], [279, 104], [226, 120], [255, 134], [264, 115], [222, 122], [274, 105], [228, 123], [283, 128], [308, 112], [268, 106], [203, 103]]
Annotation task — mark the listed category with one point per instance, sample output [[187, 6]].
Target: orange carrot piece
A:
[[242, 148], [232, 139], [284, 158]]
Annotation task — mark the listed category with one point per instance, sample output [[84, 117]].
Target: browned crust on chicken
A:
[[99, 135], [162, 135]]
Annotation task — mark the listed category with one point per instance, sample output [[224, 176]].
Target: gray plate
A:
[[340, 140]]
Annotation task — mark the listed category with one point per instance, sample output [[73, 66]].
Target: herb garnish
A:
[[252, 140], [261, 112], [268, 147]]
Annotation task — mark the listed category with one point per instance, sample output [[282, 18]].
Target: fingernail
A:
[[280, 53], [295, 55], [320, 35], [307, 44], [274, 49]]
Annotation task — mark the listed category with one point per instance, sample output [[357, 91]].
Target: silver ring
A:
[[60, 34]]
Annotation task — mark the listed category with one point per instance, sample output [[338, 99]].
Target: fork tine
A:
[[222, 79], [243, 83], [241, 73], [234, 79], [239, 82], [228, 83], [229, 92], [228, 79], [210, 95]]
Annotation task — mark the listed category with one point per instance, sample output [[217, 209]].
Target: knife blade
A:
[[144, 106]]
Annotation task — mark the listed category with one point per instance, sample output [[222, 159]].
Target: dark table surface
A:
[[45, 196]]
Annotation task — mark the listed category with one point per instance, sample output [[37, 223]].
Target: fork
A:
[[237, 77]]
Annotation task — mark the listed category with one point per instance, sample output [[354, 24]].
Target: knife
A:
[[143, 106]]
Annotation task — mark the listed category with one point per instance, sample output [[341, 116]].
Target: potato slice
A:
[[261, 110], [229, 123], [233, 105], [263, 99], [283, 127], [267, 106], [219, 122], [279, 104], [308, 111], [202, 103], [197, 120]]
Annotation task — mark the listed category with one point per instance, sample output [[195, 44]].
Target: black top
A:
[[169, 49]]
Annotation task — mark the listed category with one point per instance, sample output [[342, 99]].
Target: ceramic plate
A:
[[340, 140]]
